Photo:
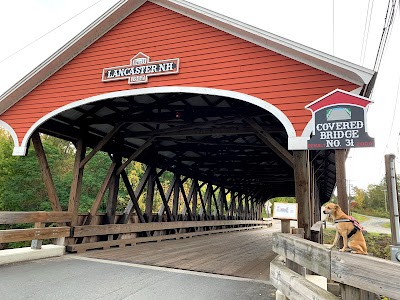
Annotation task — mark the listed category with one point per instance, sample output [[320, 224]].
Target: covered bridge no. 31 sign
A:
[[339, 122]]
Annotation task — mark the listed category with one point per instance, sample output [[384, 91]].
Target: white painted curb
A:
[[9, 256]]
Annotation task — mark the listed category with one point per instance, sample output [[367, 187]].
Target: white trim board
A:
[[158, 90]]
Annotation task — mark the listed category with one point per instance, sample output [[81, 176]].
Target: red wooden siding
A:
[[209, 58]]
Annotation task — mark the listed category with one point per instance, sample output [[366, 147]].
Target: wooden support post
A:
[[340, 159], [37, 244], [208, 199], [113, 188], [221, 201], [175, 199], [150, 196], [194, 198], [240, 206], [203, 210], [285, 226], [233, 205], [217, 204], [76, 186], [312, 196], [302, 190], [46, 174], [246, 207]]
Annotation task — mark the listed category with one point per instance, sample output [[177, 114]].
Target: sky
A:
[[31, 30]]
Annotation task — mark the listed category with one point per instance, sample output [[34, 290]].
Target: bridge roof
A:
[[322, 61]]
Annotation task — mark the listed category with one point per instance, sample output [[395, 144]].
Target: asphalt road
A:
[[373, 224], [77, 278]]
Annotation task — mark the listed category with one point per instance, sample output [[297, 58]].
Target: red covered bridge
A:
[[186, 90]]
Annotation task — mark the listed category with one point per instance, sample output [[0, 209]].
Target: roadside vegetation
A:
[[371, 201], [378, 244]]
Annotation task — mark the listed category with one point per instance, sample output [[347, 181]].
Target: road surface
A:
[[76, 278]]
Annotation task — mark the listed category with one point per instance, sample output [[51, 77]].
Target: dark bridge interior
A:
[[224, 141]]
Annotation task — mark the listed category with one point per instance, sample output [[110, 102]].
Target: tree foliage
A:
[[21, 183]]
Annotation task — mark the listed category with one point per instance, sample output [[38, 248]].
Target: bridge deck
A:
[[243, 254]]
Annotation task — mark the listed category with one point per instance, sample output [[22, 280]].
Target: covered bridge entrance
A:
[[216, 102]]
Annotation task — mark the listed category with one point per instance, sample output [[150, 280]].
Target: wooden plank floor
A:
[[244, 254]]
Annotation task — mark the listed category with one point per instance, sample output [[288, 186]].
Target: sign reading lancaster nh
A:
[[339, 122], [140, 69]]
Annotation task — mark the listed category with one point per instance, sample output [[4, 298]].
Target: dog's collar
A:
[[342, 220]]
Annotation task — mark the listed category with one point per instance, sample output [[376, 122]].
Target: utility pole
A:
[[391, 184]]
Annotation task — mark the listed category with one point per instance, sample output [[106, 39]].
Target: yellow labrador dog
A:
[[348, 228]]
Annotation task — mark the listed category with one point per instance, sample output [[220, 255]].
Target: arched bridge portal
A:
[[235, 148]]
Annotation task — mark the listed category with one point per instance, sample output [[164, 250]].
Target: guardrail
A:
[[89, 237], [360, 276], [39, 232]]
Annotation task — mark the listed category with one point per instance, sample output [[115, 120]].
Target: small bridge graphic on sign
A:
[[140, 69]]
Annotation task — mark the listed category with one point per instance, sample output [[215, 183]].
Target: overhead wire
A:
[[367, 24], [47, 33], [385, 33], [333, 27], [397, 95]]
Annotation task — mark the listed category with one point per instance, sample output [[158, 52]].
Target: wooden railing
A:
[[121, 235], [39, 232], [360, 276]]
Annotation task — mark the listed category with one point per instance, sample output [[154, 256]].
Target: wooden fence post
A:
[[302, 190]]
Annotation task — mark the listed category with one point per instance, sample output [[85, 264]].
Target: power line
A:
[[390, 13], [367, 24], [333, 27], [394, 112], [42, 36]]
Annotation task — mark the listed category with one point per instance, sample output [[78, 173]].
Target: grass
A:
[[386, 225], [378, 244], [360, 218]]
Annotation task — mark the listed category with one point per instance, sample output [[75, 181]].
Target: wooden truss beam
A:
[[270, 141], [163, 207], [134, 195], [133, 201], [100, 145], [113, 189], [135, 155], [150, 196], [185, 199], [97, 202], [76, 186], [46, 174], [164, 199]]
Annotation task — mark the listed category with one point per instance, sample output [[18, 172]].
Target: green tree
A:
[[359, 197], [375, 197]]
